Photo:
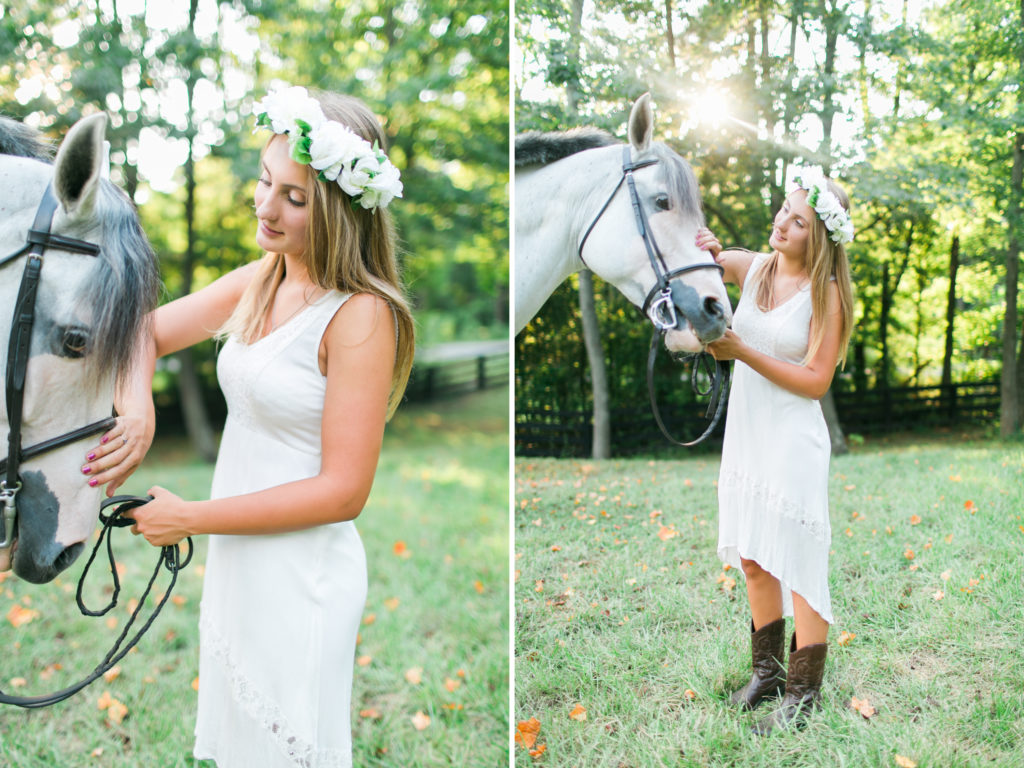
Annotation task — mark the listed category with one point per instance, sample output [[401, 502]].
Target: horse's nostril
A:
[[713, 307]]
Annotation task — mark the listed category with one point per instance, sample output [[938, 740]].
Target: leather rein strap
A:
[[659, 307], [170, 558]]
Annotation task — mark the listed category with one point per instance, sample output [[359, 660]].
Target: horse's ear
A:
[[641, 123], [79, 164]]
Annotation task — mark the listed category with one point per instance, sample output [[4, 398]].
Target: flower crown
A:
[[825, 203], [362, 170]]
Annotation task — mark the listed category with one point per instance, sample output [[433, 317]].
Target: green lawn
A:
[[438, 612], [624, 610]]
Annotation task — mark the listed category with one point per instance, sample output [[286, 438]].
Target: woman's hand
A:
[[122, 448], [706, 241], [163, 521], [729, 347]]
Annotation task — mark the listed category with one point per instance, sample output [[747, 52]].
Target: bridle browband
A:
[[39, 238], [659, 307]]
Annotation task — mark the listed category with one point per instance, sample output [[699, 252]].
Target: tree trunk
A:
[[947, 357], [601, 441], [197, 422], [1010, 406], [601, 433], [670, 38]]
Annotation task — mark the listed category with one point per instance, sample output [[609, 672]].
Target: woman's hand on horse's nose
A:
[[707, 241], [119, 453], [163, 520], [727, 347]]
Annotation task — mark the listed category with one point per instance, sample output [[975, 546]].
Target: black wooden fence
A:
[[458, 368], [896, 409]]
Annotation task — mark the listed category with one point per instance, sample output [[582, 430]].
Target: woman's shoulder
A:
[[357, 316]]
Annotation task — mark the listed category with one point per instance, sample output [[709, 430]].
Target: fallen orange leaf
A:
[[909, 554], [364, 661], [391, 603], [535, 753], [970, 507], [369, 618], [414, 675], [845, 638], [19, 615], [450, 685], [420, 721], [578, 713], [371, 713], [400, 549], [665, 533], [527, 732], [478, 586], [104, 700], [195, 683], [864, 707], [915, 519], [691, 695], [938, 594], [116, 711], [905, 762], [112, 674]]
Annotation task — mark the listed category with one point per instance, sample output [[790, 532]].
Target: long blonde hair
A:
[[825, 260], [348, 249]]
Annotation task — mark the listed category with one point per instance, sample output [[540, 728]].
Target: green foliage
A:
[[915, 119]]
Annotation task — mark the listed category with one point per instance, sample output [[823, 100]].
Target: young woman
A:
[[791, 328], [319, 343]]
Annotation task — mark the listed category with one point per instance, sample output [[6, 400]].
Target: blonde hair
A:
[[348, 249], [824, 260]]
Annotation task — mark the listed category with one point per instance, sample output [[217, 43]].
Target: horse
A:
[[97, 282], [561, 227]]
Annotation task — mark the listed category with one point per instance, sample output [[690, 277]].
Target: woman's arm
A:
[[811, 380], [172, 327], [360, 345]]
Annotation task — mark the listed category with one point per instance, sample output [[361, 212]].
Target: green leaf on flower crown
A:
[[300, 151], [263, 119], [303, 126]]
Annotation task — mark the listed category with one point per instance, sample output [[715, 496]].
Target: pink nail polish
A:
[[104, 440], [91, 456], [93, 482], [86, 469]]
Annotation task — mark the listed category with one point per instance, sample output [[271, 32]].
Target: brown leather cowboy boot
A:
[[803, 688], [767, 646]]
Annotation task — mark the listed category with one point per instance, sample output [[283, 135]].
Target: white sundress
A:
[[280, 613], [773, 483]]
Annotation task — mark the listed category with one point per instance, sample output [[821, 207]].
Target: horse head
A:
[[89, 312], [630, 215]]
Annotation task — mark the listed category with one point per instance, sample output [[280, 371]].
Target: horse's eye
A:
[[661, 202], [74, 342]]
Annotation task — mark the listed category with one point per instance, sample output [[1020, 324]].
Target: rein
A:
[[659, 307], [170, 558]]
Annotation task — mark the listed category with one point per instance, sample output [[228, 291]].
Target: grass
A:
[[623, 608], [441, 607]]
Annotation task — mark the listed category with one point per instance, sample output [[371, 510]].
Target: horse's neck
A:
[[554, 205]]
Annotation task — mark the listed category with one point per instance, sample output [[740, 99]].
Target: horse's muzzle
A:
[[706, 316]]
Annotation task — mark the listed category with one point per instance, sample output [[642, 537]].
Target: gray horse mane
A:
[[124, 289], [23, 140], [540, 148]]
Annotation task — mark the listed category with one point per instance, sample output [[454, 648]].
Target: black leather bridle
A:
[[659, 307], [18, 351], [38, 240]]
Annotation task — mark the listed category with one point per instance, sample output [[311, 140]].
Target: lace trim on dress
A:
[[775, 502], [268, 714]]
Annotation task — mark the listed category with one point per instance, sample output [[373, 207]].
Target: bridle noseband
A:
[[39, 238], [659, 307]]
